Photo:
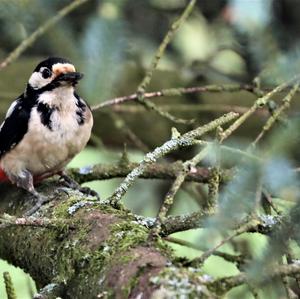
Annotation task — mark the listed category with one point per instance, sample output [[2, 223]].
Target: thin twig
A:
[[290, 258], [121, 125], [189, 108], [268, 198], [277, 113], [184, 222], [8, 221], [222, 285], [159, 53], [185, 140], [170, 92], [179, 223], [258, 104], [26, 43], [226, 256], [251, 225], [187, 167], [161, 49], [214, 182]]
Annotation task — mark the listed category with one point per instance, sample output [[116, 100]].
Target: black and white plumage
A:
[[46, 126]]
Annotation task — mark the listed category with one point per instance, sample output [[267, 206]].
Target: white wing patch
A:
[[11, 108], [10, 111]]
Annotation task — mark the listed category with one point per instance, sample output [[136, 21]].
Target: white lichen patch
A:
[[86, 170], [181, 283], [120, 235], [268, 220], [75, 207], [148, 222]]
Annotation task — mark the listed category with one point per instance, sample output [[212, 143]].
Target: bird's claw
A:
[[72, 184], [41, 200], [88, 191], [61, 190]]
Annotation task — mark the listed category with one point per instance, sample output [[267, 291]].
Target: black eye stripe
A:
[[46, 73]]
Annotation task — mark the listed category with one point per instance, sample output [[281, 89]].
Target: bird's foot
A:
[[40, 200], [25, 180], [70, 183]]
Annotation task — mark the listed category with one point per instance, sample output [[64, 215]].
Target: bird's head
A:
[[52, 73]]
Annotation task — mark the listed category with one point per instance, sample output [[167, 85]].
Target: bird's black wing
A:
[[15, 125], [81, 108]]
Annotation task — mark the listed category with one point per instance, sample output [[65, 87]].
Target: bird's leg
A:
[[25, 180], [71, 183]]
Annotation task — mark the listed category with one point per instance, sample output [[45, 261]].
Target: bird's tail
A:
[[3, 176]]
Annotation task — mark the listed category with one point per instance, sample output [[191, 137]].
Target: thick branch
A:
[[152, 171], [85, 249]]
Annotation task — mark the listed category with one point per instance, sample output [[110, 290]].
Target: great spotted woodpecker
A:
[[45, 127]]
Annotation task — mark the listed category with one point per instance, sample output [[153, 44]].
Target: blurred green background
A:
[[112, 43]]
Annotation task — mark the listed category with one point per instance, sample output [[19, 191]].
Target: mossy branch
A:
[[10, 290], [161, 171], [85, 260]]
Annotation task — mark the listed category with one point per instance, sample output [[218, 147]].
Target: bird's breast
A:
[[64, 131], [53, 138]]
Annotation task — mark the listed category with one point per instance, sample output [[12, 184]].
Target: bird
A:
[[44, 128]]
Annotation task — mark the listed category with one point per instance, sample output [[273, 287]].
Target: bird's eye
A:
[[46, 73]]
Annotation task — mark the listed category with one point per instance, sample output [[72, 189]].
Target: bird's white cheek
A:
[[37, 81]]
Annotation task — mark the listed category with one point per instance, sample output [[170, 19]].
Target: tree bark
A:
[[80, 248]]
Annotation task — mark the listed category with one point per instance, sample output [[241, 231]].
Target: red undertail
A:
[[36, 179], [3, 176]]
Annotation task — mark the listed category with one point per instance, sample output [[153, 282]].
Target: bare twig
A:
[[161, 49], [276, 114], [126, 130], [175, 92], [226, 256], [159, 53], [187, 167], [189, 108], [251, 225], [227, 283], [258, 104]]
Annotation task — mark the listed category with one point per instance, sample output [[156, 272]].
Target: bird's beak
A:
[[70, 77]]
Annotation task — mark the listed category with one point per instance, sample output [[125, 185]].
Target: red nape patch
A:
[[3, 176]]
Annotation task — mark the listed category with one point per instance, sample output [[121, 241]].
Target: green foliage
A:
[[102, 52]]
